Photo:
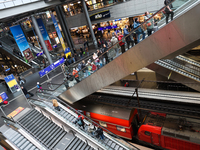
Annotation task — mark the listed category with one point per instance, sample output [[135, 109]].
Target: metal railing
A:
[[87, 121]]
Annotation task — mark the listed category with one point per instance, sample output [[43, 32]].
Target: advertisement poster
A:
[[100, 15], [10, 80], [22, 43], [44, 34], [60, 35]]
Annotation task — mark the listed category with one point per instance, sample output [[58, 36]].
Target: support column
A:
[[66, 26], [63, 28], [37, 30], [89, 23]]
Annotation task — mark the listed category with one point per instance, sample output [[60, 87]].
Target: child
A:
[[39, 87]]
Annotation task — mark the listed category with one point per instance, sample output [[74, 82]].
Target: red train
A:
[[158, 129]]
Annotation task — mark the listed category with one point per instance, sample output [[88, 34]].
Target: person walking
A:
[[139, 31], [121, 43], [81, 52], [149, 24], [26, 92], [75, 74], [114, 40], [168, 10], [128, 40]]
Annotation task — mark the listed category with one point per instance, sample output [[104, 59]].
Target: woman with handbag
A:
[[149, 23]]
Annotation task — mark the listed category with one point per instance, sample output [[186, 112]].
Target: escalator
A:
[[68, 115], [175, 38], [181, 69], [19, 60]]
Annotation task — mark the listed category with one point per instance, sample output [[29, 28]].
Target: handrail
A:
[[90, 120], [103, 54]]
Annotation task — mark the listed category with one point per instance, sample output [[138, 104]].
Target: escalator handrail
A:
[[73, 76], [76, 111]]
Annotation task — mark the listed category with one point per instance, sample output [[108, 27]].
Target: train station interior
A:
[[99, 75]]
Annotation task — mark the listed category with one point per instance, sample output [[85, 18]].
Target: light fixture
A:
[[71, 4], [79, 2]]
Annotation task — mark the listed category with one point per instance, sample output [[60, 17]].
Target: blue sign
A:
[[4, 96], [7, 69], [51, 67], [118, 19], [44, 34], [60, 35], [9, 78], [67, 50], [40, 53], [107, 27], [22, 43]]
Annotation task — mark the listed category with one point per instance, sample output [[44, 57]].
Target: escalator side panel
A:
[[176, 37]]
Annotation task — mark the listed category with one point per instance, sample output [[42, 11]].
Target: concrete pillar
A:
[[37, 30], [66, 26], [89, 24], [63, 28]]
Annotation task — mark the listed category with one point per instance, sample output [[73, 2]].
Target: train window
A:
[[147, 133], [122, 129], [183, 137], [103, 124]]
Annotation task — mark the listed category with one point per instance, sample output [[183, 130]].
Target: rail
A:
[[88, 120]]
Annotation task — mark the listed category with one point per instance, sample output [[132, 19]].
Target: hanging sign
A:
[[22, 43], [100, 15], [51, 67], [60, 35], [44, 34]]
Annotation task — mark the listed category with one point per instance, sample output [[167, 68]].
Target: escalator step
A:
[[29, 120], [43, 134], [72, 143], [53, 135], [80, 145], [18, 140], [57, 139], [68, 116], [28, 146], [30, 115], [25, 145], [40, 124], [34, 122], [11, 133], [50, 133], [33, 148], [21, 142], [39, 129], [76, 144], [84, 146], [15, 137], [113, 145], [26, 115]]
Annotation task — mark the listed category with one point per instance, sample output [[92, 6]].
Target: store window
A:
[[122, 129], [103, 124]]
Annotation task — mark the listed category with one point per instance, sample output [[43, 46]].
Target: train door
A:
[[155, 139]]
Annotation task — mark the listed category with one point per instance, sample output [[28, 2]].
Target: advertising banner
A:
[[60, 35], [44, 34], [10, 80], [22, 43], [100, 15], [4, 96]]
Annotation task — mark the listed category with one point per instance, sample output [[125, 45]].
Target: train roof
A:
[[182, 128], [104, 109]]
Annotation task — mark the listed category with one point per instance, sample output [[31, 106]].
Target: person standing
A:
[[139, 31], [113, 42], [168, 10], [81, 52], [55, 104], [150, 23], [128, 40], [75, 74], [121, 43]]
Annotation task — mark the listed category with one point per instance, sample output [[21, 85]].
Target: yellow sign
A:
[[15, 112], [12, 83]]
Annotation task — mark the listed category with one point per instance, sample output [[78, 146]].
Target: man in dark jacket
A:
[[26, 92], [168, 10]]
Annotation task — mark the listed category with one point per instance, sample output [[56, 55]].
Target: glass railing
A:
[[95, 6], [108, 139], [108, 55]]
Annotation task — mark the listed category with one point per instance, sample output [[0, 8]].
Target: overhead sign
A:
[[100, 15], [40, 53], [60, 35], [107, 27], [22, 43], [51, 67], [44, 34]]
